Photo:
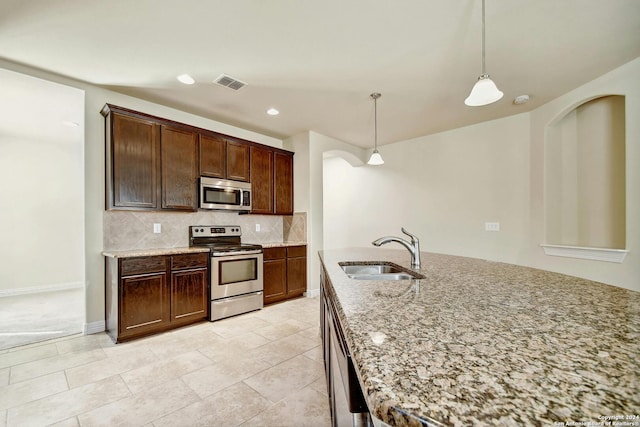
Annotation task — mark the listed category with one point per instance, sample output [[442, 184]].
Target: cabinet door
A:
[[261, 181], [275, 280], [134, 153], [283, 203], [296, 276], [144, 304], [179, 154], [238, 165], [189, 298], [213, 156]]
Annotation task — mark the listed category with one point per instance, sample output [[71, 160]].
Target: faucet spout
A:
[[413, 246]]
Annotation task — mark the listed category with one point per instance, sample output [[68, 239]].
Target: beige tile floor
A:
[[258, 369]]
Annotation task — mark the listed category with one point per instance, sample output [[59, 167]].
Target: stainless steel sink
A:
[[387, 276], [377, 270], [370, 269]]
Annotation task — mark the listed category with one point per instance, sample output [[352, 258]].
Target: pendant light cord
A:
[[483, 42], [375, 122], [375, 97]]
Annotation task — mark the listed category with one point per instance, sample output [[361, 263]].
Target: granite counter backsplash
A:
[[485, 343]]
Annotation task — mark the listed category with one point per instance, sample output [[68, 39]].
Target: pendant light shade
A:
[[485, 91], [376, 158]]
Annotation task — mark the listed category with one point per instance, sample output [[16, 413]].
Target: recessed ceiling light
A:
[[186, 79], [521, 99], [273, 112]]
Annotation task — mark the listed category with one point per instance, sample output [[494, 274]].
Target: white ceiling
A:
[[318, 61]]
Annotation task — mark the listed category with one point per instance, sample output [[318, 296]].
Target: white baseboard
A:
[[312, 293], [94, 327], [582, 252], [40, 289]]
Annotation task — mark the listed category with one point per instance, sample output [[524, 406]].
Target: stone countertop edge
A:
[[182, 250], [153, 252], [282, 244], [479, 342]]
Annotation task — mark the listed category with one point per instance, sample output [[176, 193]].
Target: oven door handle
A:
[[234, 298], [234, 253]]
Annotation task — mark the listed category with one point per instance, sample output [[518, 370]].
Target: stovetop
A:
[[221, 239]]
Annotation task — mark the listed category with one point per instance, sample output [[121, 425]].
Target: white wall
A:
[[624, 81], [42, 190], [310, 149], [444, 187]]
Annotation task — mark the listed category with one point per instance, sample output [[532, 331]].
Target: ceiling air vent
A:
[[230, 82]]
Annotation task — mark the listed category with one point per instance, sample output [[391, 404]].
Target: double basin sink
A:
[[377, 270]]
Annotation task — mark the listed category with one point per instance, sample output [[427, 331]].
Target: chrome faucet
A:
[[413, 247]]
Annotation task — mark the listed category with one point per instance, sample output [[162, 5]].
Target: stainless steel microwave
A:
[[222, 194]]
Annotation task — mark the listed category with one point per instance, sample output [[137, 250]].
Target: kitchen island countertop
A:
[[478, 342]]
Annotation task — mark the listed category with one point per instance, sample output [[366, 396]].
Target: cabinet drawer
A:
[[296, 251], [181, 262], [142, 265], [274, 253]]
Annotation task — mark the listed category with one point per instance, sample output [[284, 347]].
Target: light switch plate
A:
[[257, 227], [491, 226], [157, 228]]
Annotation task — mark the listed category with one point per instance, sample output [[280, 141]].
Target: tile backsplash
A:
[[129, 230]]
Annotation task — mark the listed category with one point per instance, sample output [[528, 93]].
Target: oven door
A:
[[236, 275]]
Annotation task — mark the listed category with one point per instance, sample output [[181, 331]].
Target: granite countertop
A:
[[153, 252], [282, 244], [486, 343], [182, 250]]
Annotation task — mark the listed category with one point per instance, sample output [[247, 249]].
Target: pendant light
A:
[[485, 91], [376, 158]]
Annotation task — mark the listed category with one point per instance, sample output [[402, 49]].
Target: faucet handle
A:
[[414, 238]]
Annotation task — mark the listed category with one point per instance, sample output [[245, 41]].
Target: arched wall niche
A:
[[585, 191]]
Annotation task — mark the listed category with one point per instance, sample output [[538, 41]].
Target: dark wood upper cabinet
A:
[[261, 181], [224, 158], [271, 181], [133, 156], [179, 166], [213, 156], [154, 163], [238, 164], [283, 191]]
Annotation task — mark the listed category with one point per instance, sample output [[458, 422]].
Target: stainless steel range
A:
[[236, 269]]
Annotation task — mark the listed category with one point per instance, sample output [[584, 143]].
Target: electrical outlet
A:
[[157, 228], [257, 227], [491, 226]]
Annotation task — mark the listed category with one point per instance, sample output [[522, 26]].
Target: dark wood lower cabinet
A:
[[285, 273], [144, 304], [146, 295], [275, 274], [296, 271], [189, 300]]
